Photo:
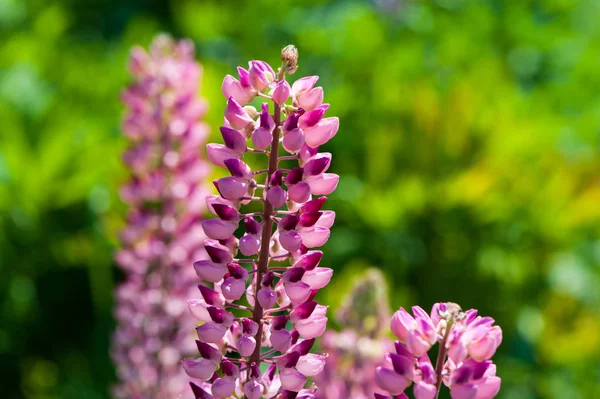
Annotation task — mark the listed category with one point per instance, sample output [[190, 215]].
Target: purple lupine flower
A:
[[467, 343], [162, 236], [266, 254], [355, 352]]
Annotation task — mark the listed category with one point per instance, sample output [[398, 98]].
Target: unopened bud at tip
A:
[[289, 56]]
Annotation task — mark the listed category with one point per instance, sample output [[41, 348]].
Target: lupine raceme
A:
[[467, 342], [258, 315], [163, 234]]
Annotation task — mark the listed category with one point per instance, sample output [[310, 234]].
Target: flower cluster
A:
[[467, 343], [254, 299], [355, 352], [163, 233]]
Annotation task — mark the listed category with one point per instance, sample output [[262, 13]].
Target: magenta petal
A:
[[281, 92], [230, 369], [218, 153], [218, 229], [267, 298], [303, 311], [293, 141], [298, 292], [249, 244], [231, 87], [200, 393], [310, 99], [233, 288], [303, 347], [244, 78], [211, 297], [304, 84], [223, 387], [200, 368], [300, 192], [324, 184], [288, 222], [197, 308], [232, 188], [416, 344], [322, 132], [311, 364], [314, 205], [314, 237], [233, 139], [211, 333], [312, 118], [308, 219], [293, 274], [390, 381], [276, 196], [261, 138], [312, 327], [218, 253], [281, 340], [466, 391], [245, 345], [238, 168], [310, 260], [212, 200], [422, 390], [294, 176], [327, 219], [226, 212], [253, 389], [292, 380], [490, 388], [260, 75], [209, 352], [236, 115], [290, 240], [401, 323], [318, 277], [317, 165], [403, 365], [209, 271]]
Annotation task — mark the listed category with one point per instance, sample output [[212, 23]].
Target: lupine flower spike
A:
[[467, 343], [355, 352], [163, 234], [261, 272]]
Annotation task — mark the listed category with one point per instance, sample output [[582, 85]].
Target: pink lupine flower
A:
[[418, 333], [476, 337], [474, 380], [240, 90], [234, 148], [281, 92], [398, 371], [467, 342], [162, 236], [269, 261]]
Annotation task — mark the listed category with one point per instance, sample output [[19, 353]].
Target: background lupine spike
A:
[[365, 307], [279, 313], [357, 350], [165, 196]]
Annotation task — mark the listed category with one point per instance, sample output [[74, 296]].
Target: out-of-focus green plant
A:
[[470, 152]]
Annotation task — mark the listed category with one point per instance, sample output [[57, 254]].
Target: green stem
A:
[[441, 359]]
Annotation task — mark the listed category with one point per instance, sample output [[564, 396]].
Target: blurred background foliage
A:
[[469, 152]]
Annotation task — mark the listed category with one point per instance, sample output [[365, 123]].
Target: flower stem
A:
[[263, 258], [441, 359]]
